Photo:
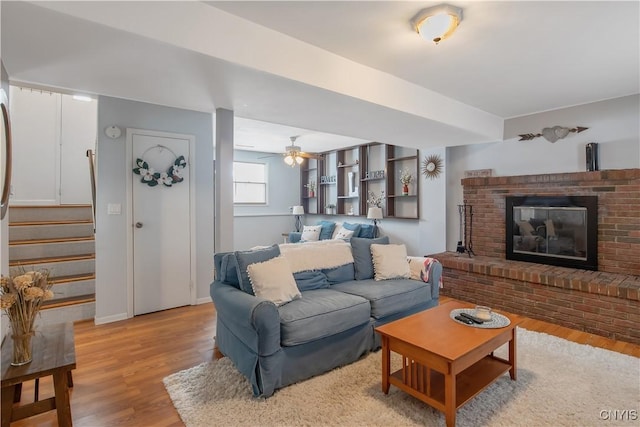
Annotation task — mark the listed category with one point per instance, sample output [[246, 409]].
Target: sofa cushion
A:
[[311, 233], [309, 280], [327, 229], [321, 313], [344, 234], [244, 258], [390, 262], [340, 274], [366, 231], [273, 280], [388, 297], [352, 227], [361, 249], [229, 270]]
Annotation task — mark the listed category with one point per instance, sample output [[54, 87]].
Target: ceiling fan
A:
[[293, 154]]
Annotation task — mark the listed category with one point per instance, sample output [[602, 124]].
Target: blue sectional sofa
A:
[[330, 325]]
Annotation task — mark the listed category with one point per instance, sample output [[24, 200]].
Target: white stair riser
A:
[[73, 289], [69, 313], [44, 213], [63, 268], [50, 231], [47, 250]]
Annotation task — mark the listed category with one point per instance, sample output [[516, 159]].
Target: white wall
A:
[[613, 124], [256, 225], [111, 230]]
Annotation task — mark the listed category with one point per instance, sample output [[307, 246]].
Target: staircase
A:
[[59, 239]]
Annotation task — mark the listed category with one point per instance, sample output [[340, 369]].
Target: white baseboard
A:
[[204, 300], [110, 319]]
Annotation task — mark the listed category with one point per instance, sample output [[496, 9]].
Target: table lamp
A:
[[298, 211], [374, 213]]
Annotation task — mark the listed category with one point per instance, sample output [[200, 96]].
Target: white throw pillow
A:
[[311, 233], [273, 280], [344, 234], [390, 262]]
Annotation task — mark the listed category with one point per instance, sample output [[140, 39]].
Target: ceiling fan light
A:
[[438, 22], [289, 160], [299, 159]]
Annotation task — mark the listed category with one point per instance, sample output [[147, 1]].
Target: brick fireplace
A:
[[604, 302]]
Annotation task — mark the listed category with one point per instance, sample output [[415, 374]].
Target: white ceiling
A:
[[337, 73]]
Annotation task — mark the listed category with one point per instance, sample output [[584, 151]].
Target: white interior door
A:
[[161, 226], [78, 134]]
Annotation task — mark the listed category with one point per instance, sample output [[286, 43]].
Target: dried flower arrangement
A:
[[21, 299], [406, 177], [374, 200]]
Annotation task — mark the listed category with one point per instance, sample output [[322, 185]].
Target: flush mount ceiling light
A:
[[438, 22]]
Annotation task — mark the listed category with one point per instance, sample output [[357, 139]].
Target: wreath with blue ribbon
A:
[[173, 175]]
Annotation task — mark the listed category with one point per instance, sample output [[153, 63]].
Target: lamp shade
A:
[[374, 213], [438, 22], [298, 210]]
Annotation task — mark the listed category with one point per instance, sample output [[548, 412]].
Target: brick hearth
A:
[[604, 302]]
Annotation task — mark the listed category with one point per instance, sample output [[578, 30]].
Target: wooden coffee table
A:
[[445, 363]]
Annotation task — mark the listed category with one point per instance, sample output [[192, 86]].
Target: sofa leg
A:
[[217, 354]]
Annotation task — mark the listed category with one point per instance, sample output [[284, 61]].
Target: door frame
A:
[[130, 132]]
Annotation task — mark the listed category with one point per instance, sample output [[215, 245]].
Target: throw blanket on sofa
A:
[[316, 255], [420, 268]]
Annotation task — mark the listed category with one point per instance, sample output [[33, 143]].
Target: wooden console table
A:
[[53, 354]]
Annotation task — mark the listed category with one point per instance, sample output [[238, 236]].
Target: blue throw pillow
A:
[[327, 229], [361, 249], [353, 227], [366, 231], [309, 280], [229, 270], [344, 273], [245, 258]]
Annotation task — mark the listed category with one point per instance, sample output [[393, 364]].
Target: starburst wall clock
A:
[[432, 166]]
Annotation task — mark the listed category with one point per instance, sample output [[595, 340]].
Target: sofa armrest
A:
[[254, 321], [295, 236]]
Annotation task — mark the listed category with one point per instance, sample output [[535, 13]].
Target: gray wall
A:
[[111, 230], [256, 225], [613, 124]]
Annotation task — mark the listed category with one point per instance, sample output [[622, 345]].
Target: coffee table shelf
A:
[[469, 382]]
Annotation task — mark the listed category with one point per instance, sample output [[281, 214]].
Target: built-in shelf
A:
[[397, 159], [350, 166]]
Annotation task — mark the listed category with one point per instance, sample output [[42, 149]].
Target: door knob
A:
[[138, 225]]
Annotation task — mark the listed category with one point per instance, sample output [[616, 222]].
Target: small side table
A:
[[285, 237], [53, 354]]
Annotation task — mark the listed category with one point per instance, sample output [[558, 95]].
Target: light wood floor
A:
[[120, 366]]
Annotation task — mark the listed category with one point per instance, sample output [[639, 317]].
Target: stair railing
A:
[[92, 172]]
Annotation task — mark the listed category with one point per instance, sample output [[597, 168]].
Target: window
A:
[[249, 183]]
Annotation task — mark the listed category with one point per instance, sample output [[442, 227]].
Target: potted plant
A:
[[331, 209], [406, 178], [311, 188]]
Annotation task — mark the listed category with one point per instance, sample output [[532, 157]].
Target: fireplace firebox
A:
[[553, 230]]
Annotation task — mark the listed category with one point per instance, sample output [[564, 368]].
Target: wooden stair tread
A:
[[55, 240], [49, 206], [31, 261], [54, 222], [65, 302], [72, 278]]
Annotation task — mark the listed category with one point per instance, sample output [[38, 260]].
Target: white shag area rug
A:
[[560, 383]]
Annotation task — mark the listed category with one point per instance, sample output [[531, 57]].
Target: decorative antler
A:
[[552, 134]]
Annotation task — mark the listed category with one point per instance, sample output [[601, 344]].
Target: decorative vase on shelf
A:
[[405, 189], [312, 193], [22, 348]]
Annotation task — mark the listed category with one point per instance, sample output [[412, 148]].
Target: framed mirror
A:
[[5, 155]]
